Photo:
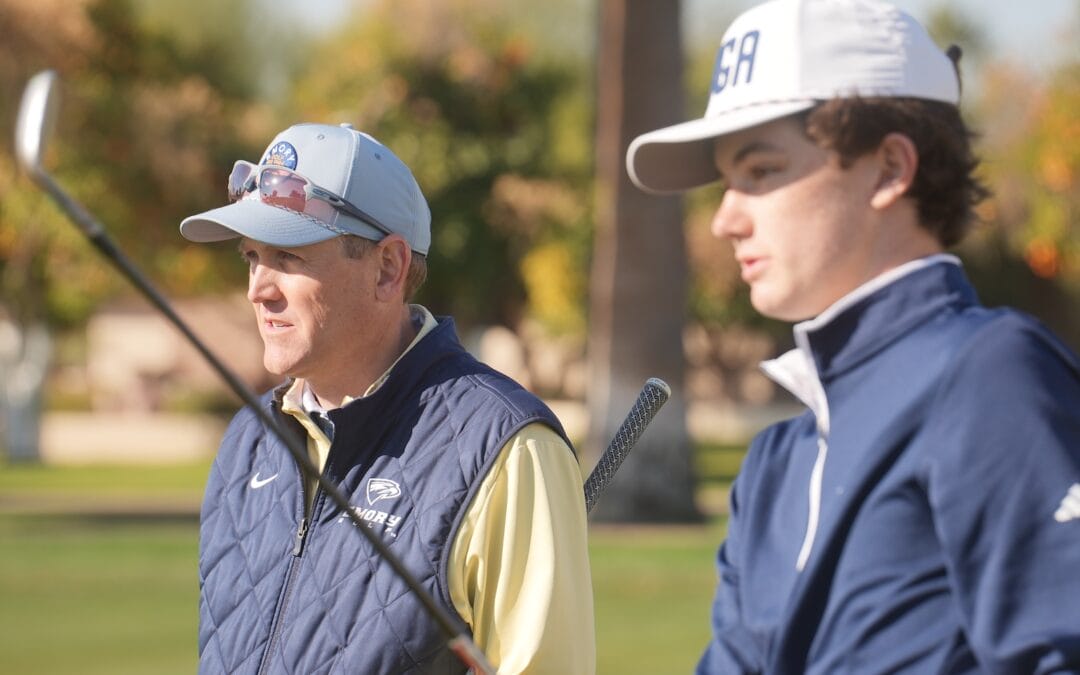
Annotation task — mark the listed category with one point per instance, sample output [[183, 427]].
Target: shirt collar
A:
[[797, 369], [300, 395]]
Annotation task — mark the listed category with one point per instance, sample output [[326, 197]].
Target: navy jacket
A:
[[283, 595], [924, 515]]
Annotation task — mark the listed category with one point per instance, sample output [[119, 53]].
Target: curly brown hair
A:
[[945, 188]]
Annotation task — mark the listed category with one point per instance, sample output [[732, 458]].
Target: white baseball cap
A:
[[783, 57], [338, 159]]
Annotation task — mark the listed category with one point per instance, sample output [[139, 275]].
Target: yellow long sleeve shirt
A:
[[519, 567]]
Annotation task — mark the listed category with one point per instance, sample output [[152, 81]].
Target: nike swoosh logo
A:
[[256, 483]]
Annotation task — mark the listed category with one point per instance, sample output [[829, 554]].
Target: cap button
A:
[[346, 125]]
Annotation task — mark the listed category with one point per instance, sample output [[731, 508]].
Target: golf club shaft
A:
[[649, 401], [459, 641]]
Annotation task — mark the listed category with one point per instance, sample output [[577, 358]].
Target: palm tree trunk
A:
[[638, 284]]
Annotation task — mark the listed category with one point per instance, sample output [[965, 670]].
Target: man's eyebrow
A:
[[244, 246], [752, 147]]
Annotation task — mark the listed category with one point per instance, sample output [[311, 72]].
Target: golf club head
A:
[[37, 116]]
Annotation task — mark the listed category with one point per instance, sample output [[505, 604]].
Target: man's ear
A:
[[897, 162], [393, 256]]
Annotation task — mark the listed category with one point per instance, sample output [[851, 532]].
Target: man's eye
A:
[[761, 172]]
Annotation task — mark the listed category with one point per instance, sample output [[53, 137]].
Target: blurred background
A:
[[515, 118]]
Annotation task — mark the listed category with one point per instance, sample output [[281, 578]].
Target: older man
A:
[[469, 478]]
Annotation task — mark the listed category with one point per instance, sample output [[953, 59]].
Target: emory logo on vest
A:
[[381, 488], [377, 490]]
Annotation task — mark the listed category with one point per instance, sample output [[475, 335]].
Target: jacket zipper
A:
[[814, 513], [294, 566]]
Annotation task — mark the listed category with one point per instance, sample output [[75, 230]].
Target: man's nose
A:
[[731, 220], [262, 285]]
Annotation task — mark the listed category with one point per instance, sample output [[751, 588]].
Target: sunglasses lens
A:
[[284, 189], [240, 179], [279, 187]]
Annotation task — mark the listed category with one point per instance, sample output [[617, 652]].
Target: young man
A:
[[923, 515], [468, 478]]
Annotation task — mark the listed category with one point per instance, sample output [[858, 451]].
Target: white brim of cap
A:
[[268, 224], [680, 157]]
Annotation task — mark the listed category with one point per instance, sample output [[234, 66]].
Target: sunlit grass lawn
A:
[[109, 591], [82, 596], [653, 591], [98, 569]]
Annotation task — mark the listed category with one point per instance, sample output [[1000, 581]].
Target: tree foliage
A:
[[143, 129], [497, 136], [494, 115], [1036, 171]]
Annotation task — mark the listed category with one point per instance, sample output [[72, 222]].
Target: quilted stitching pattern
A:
[[434, 429]]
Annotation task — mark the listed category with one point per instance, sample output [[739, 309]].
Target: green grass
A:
[[83, 596], [653, 591], [104, 481], [103, 592], [106, 580], [718, 463]]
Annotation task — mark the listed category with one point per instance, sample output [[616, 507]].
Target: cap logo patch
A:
[[281, 153], [735, 58]]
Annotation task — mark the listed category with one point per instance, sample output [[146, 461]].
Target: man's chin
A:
[[279, 367], [773, 308]]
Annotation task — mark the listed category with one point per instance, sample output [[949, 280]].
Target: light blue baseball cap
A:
[[341, 160]]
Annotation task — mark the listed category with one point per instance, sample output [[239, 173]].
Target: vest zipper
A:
[[294, 566], [301, 534]]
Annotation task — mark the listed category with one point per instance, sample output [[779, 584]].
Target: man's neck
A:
[[370, 368]]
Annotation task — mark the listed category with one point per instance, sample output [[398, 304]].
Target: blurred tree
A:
[[494, 132], [1024, 252], [139, 141], [1032, 225], [249, 48], [949, 25], [51, 32], [638, 283], [134, 144]]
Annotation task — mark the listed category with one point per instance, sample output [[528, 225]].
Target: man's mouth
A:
[[751, 267]]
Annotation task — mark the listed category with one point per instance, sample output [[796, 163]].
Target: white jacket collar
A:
[[796, 371]]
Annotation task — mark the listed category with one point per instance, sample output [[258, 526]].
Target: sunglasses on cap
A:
[[284, 188]]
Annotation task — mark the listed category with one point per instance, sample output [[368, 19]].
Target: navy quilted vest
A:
[[410, 458]]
